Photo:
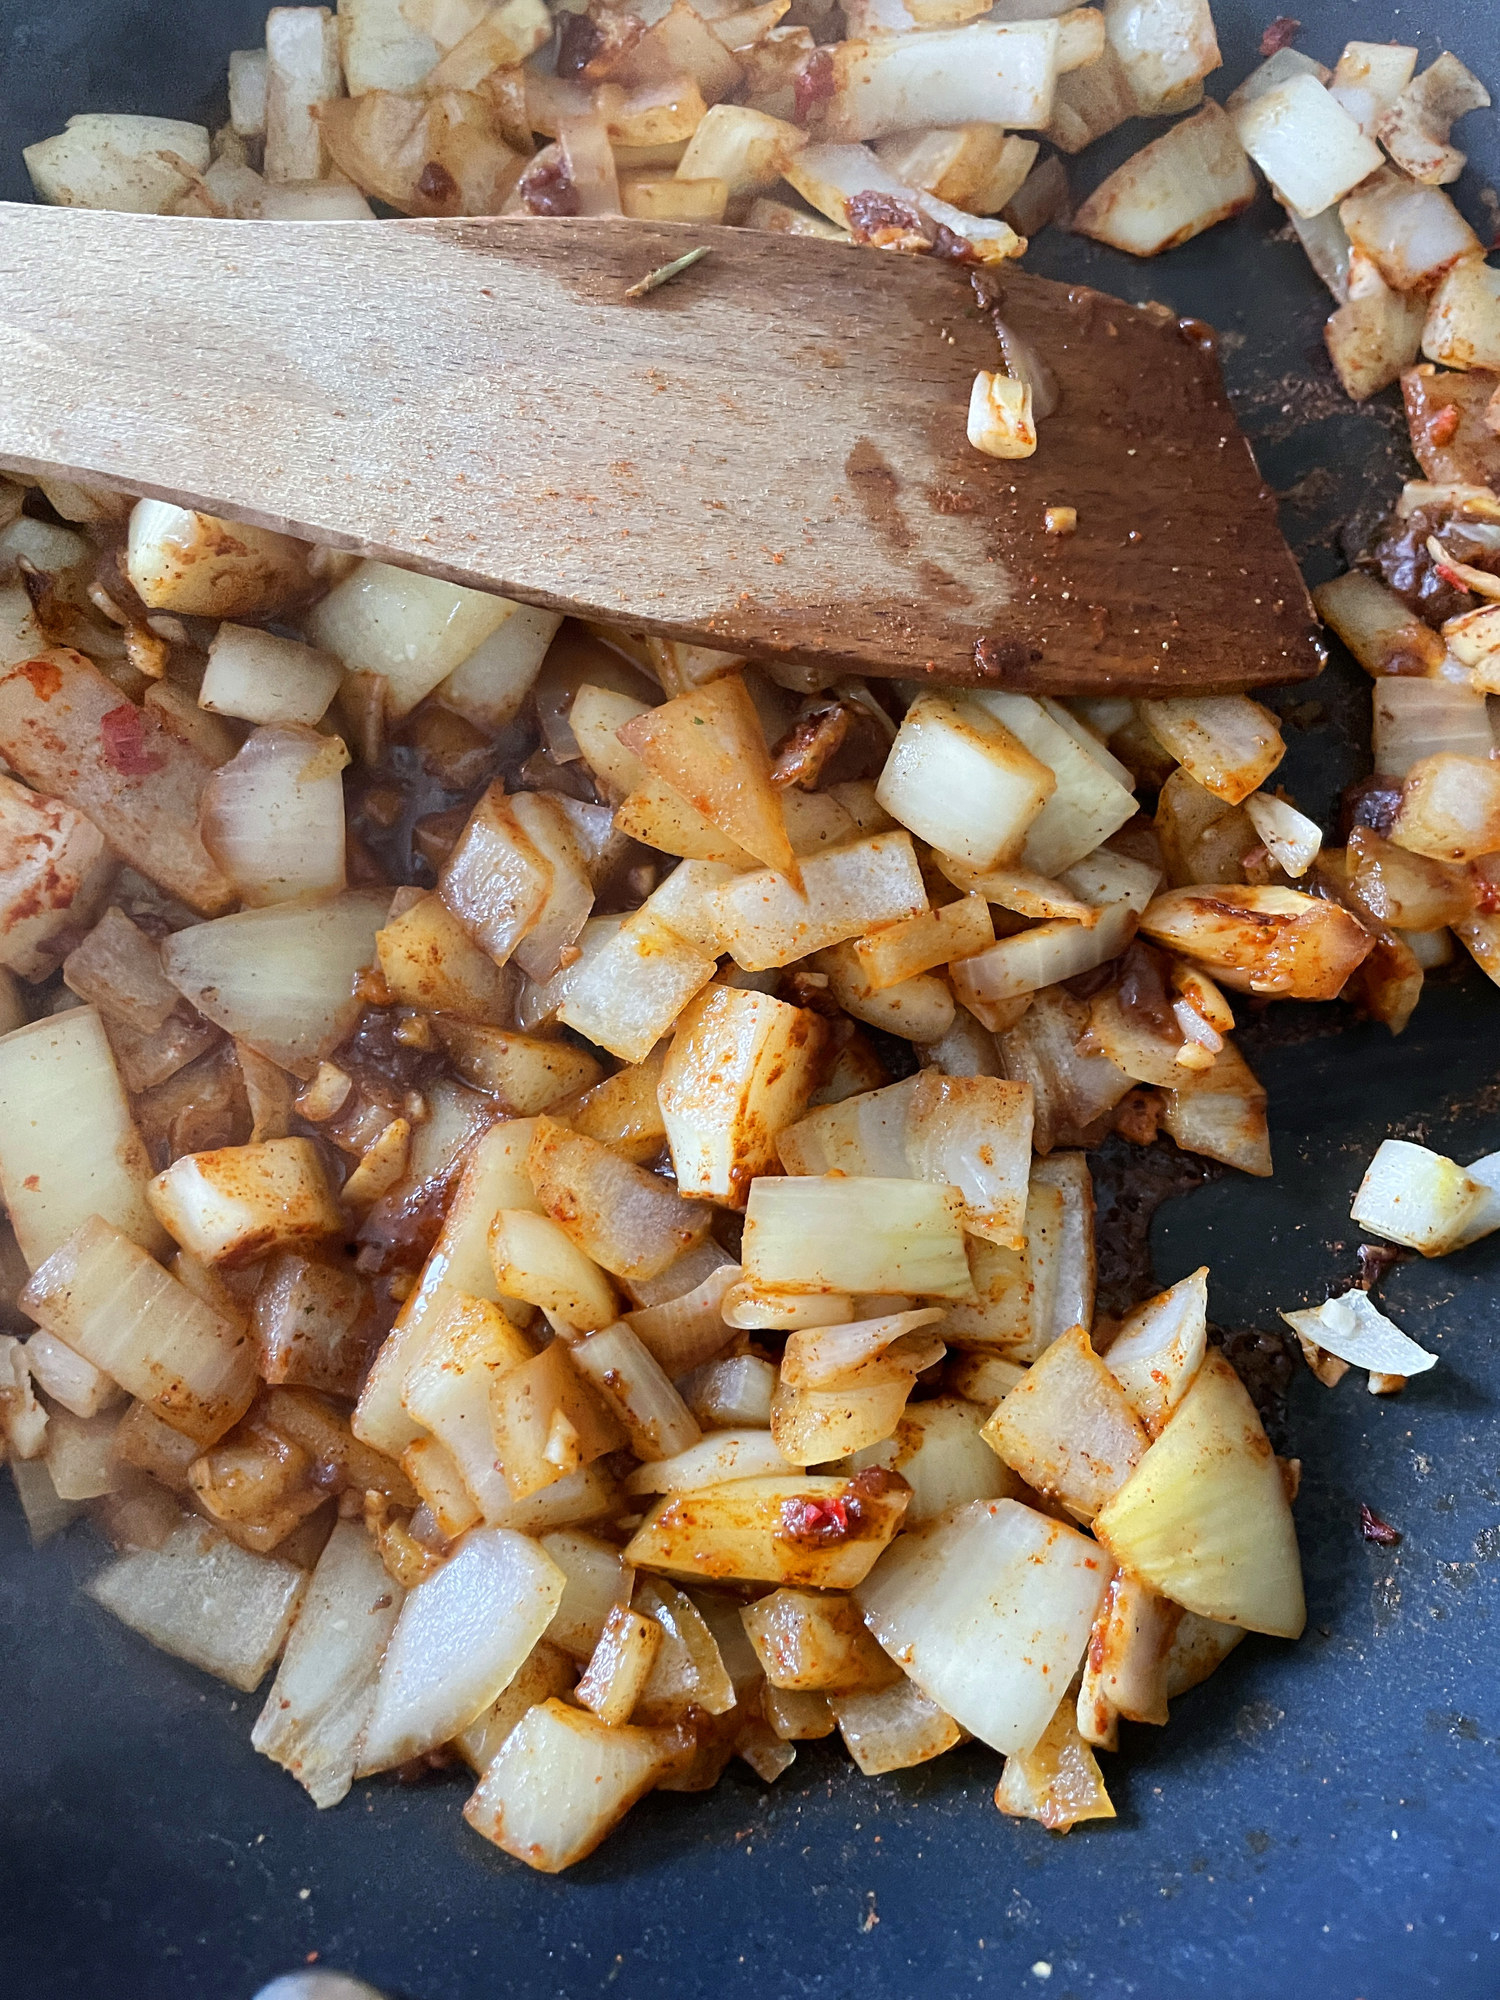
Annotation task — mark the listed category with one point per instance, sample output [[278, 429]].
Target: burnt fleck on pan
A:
[[1317, 1820]]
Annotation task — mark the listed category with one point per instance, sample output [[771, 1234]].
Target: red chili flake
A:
[[1444, 425], [1375, 1530], [813, 84], [1282, 32], [1486, 892], [818, 1524], [122, 737]]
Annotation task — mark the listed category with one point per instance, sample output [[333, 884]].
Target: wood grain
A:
[[768, 453]]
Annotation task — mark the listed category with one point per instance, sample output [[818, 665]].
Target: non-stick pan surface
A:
[[1318, 1820]]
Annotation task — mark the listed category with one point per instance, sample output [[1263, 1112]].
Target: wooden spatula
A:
[[768, 454]]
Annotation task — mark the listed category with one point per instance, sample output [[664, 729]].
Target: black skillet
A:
[[1316, 1821]]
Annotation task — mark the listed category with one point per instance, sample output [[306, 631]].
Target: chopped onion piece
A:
[[800, 1528], [1414, 130], [69, 1148], [1382, 633], [412, 630], [1002, 423], [989, 1613], [1263, 940], [1450, 808], [731, 1394], [765, 922], [563, 1779], [850, 186], [1089, 804], [1194, 176], [632, 982], [597, 1582], [1204, 1518], [1416, 1197], [537, 1261], [117, 1307], [656, 1420], [741, 1068], [69, 732], [1305, 143], [460, 1638], [282, 979], [974, 1133], [1159, 1348], [962, 782], [852, 1234], [1125, 1672], [1058, 1783], [322, 1696], [717, 1459], [261, 678], [685, 1331], [997, 74], [1043, 956], [1290, 838], [232, 1206], [1221, 1112], [1368, 80], [1462, 328], [627, 1220], [1067, 1428], [1350, 1328], [1410, 234], [1229, 743], [620, 1665], [894, 1728], [206, 1600]]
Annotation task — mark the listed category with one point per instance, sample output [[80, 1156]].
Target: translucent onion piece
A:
[[1157, 1351], [1059, 1782], [460, 1638], [273, 816], [1353, 1330], [989, 1613], [104, 1296], [719, 1457], [774, 1530], [1067, 1428], [1204, 1518], [938, 1450], [206, 1600], [848, 1234], [1414, 1196], [282, 979], [69, 1148], [322, 1696], [563, 1779], [894, 1728]]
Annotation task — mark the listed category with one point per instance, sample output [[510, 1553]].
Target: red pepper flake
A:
[[1444, 425], [122, 735], [819, 1524], [813, 84], [1282, 32], [1375, 1530]]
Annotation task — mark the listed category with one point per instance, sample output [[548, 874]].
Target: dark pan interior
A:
[[1316, 1820]]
